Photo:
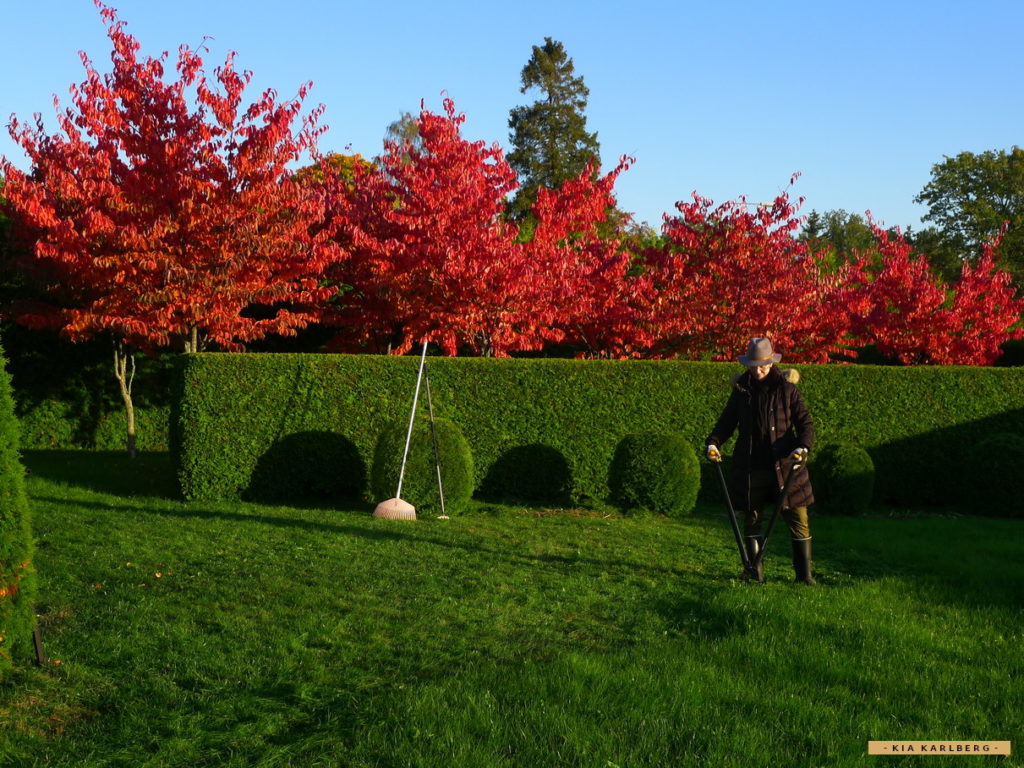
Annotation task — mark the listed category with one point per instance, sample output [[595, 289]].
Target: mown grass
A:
[[251, 635]]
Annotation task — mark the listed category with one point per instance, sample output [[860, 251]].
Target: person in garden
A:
[[775, 432]]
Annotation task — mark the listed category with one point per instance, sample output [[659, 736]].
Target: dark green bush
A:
[[319, 466], [656, 472], [843, 477], [988, 480], [532, 474], [419, 484], [66, 396], [17, 576]]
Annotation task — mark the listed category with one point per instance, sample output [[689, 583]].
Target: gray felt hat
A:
[[759, 352]]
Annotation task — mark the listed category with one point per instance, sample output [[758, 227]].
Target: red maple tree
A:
[[899, 306], [590, 295], [735, 271], [432, 255], [164, 209]]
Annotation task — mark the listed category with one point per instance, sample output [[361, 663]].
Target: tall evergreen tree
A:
[[549, 138]]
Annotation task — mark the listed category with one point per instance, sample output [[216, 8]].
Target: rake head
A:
[[395, 509]]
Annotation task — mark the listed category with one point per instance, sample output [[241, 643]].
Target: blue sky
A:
[[727, 99]]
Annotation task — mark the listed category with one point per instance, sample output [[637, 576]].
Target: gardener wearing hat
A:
[[775, 433]]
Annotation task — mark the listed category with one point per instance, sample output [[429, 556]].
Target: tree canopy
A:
[[164, 210], [971, 197], [549, 138]]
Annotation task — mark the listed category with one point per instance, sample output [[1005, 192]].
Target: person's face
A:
[[760, 371]]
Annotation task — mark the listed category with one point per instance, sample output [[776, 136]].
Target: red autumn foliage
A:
[[164, 214], [735, 271], [730, 273], [986, 311], [595, 304], [900, 307], [164, 208], [432, 255]]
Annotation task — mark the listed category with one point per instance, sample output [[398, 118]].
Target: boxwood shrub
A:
[[655, 472], [915, 422], [843, 477], [419, 483], [62, 424]]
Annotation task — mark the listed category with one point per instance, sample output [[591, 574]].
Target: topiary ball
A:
[[655, 472], [844, 478], [990, 465], [419, 486]]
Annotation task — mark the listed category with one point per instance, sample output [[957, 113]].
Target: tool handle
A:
[[732, 517], [775, 514]]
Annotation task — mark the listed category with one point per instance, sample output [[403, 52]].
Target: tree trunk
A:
[[125, 375], [192, 340]]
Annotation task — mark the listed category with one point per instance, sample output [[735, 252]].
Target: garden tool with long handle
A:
[[433, 438], [779, 506], [397, 508], [749, 569]]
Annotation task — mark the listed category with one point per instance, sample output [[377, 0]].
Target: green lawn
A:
[[247, 635]]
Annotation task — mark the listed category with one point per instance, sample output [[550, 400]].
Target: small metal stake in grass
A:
[[37, 641], [396, 508], [433, 437]]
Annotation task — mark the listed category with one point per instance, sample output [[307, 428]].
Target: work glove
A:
[[713, 453], [799, 456]]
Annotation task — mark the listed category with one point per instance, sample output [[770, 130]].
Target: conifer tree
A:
[[17, 573], [549, 138]]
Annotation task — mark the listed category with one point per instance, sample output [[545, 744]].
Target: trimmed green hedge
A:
[[914, 422], [987, 479], [57, 424], [17, 575], [656, 472]]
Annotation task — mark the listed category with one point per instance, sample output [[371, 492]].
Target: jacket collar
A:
[[743, 381]]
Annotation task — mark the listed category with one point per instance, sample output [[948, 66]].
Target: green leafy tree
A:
[[944, 256], [549, 138], [837, 235], [404, 131], [971, 197]]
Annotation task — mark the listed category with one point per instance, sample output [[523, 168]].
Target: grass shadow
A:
[[150, 473], [366, 527], [946, 558]]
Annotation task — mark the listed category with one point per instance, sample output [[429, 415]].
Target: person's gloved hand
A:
[[713, 453], [799, 456]]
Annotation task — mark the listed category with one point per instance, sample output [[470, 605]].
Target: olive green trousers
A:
[[764, 490]]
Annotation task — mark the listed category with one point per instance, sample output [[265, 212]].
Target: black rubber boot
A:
[[753, 547], [802, 560]]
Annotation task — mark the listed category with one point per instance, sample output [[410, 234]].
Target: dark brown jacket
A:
[[790, 425]]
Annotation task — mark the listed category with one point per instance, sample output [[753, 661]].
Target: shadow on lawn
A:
[[951, 560], [375, 530], [150, 473]]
